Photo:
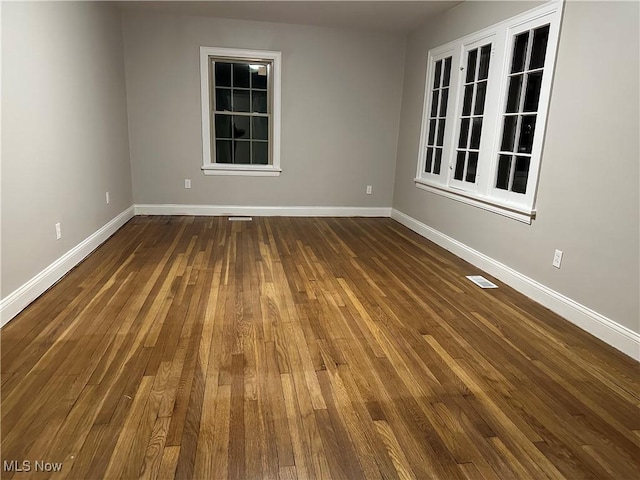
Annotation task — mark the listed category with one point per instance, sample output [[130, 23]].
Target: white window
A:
[[485, 106], [240, 92]]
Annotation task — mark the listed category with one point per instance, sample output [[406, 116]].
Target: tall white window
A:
[[483, 128], [240, 111]]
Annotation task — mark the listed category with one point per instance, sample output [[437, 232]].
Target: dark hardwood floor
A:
[[283, 348]]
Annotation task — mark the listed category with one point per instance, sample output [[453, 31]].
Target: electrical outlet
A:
[[557, 258], [187, 183], [107, 197], [369, 189], [58, 232]]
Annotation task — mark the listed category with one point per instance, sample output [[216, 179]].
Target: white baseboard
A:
[[272, 211], [15, 302], [607, 330]]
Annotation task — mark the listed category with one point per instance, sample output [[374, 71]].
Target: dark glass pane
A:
[[520, 175], [532, 95], [260, 153], [504, 168], [476, 130], [481, 92], [472, 167], [223, 99], [223, 126], [241, 101], [260, 128], [471, 65], [485, 57], [527, 129], [437, 73], [459, 171], [509, 133], [434, 103], [241, 151], [223, 74], [466, 104], [429, 160], [443, 102], [241, 75], [464, 133], [241, 127], [438, 161], [513, 97], [539, 47], [440, 140], [432, 131], [447, 72], [223, 151], [259, 101], [519, 52], [259, 76]]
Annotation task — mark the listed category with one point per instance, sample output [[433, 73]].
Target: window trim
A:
[[208, 166], [483, 193]]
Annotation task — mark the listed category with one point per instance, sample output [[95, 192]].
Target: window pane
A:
[[241, 100], [466, 104], [241, 127], [432, 131], [513, 97], [464, 133], [223, 126], [532, 95], [260, 153], [519, 52], [471, 65], [539, 48], [260, 128], [223, 151], [485, 55], [509, 133], [434, 103], [447, 72], [472, 166], [437, 161], [520, 175], [259, 77], [481, 91], [443, 102], [476, 129], [429, 160], [459, 171], [440, 141], [437, 73], [241, 151], [223, 99], [504, 167], [527, 129], [223, 74], [241, 75], [259, 101]]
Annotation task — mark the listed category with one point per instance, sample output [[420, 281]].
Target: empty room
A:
[[320, 240]]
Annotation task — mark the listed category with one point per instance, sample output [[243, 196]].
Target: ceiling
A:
[[383, 16]]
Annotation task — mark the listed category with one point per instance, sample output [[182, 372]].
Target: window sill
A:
[[511, 211], [242, 170]]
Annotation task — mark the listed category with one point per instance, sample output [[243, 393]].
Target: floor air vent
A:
[[481, 281], [240, 219]]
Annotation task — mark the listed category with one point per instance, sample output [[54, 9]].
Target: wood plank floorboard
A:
[[304, 348]]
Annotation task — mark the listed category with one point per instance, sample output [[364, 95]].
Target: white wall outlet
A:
[[369, 189], [557, 258], [58, 232], [107, 198], [187, 183]]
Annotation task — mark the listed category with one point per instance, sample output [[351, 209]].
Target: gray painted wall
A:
[[588, 200], [341, 95], [64, 131]]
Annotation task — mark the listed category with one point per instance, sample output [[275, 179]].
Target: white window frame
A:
[[483, 193], [209, 167]]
